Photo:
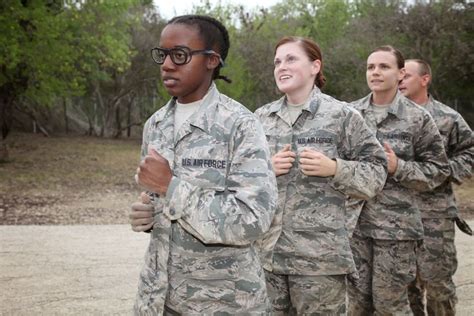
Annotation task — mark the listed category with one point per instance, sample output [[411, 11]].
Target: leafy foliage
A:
[[90, 59]]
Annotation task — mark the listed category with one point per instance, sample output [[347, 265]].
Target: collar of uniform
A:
[[168, 110], [430, 103], [198, 119], [394, 109], [311, 106], [164, 117], [363, 104], [277, 105], [202, 117]]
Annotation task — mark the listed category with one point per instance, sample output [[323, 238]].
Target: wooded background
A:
[[85, 66]]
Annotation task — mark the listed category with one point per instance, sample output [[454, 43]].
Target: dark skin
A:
[[154, 173], [189, 83], [141, 216]]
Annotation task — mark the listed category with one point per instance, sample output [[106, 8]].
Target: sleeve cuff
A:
[[171, 210], [338, 177], [399, 171]]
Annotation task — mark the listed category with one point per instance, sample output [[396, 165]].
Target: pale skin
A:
[[292, 62], [295, 75], [415, 87], [283, 160], [312, 162], [383, 76], [414, 84], [392, 159]]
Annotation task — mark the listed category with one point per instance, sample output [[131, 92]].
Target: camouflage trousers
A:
[[385, 268], [436, 265], [307, 294]]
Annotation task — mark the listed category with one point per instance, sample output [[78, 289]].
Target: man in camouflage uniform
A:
[[307, 251], [221, 198], [436, 258], [390, 224]]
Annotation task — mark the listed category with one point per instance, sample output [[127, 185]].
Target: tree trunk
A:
[[129, 117], [3, 150], [105, 113], [91, 127], [41, 129], [118, 123], [6, 117], [6, 110]]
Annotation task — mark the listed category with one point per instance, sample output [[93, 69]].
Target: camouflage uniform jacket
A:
[[459, 145], [222, 197], [422, 165], [308, 234]]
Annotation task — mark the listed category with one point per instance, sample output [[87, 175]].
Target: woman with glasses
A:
[[206, 163], [322, 152]]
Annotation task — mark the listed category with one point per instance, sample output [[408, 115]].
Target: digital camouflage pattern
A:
[[307, 295], [436, 258], [436, 264], [308, 234], [458, 141], [201, 259], [422, 166], [390, 225], [385, 267]]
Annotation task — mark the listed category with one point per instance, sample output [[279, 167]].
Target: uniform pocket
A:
[[327, 246], [213, 268], [152, 280], [198, 297], [316, 211]]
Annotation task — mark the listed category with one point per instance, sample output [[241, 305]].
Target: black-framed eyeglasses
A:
[[180, 55]]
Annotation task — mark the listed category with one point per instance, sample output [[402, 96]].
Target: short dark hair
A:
[[398, 55], [213, 34]]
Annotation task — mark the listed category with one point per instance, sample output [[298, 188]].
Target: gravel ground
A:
[[65, 244], [93, 270], [69, 270]]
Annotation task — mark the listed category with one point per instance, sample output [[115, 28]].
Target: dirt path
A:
[[464, 277], [69, 270], [89, 263], [93, 270]]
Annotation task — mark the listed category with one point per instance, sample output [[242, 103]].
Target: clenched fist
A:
[[141, 215], [154, 173]]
